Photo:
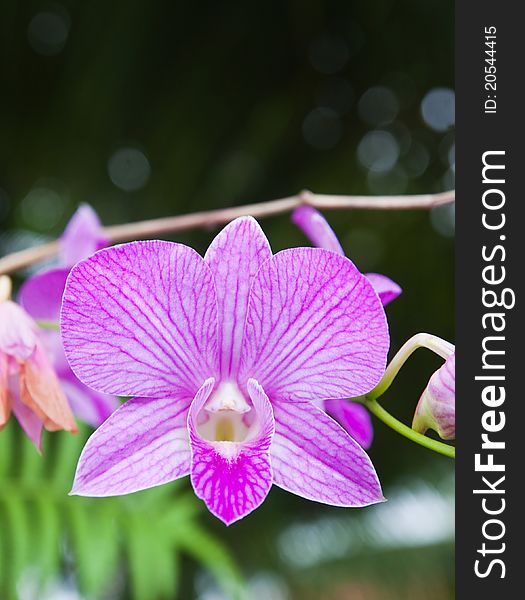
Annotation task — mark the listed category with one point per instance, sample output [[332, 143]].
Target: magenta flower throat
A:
[[225, 358]]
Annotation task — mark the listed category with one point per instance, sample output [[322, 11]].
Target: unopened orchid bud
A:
[[436, 408]]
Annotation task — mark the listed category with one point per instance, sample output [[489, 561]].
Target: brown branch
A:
[[144, 229]]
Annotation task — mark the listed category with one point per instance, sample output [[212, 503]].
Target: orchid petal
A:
[[315, 328], [140, 319], [233, 478], [234, 257], [141, 445], [314, 457], [5, 400], [82, 237], [354, 418], [41, 295], [18, 335], [40, 391], [386, 289], [29, 421], [52, 344], [88, 405], [316, 228]]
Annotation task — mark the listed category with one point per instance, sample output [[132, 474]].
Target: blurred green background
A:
[[150, 108]]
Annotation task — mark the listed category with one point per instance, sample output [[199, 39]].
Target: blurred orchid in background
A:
[[436, 408], [225, 356], [354, 417], [28, 385], [41, 297]]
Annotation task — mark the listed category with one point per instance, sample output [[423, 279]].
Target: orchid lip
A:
[[226, 417]]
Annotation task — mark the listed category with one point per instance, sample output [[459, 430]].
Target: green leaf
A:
[[209, 551], [46, 534]]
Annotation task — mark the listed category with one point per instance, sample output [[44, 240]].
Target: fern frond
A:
[[130, 543]]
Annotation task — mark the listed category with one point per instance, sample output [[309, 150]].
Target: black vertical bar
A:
[[489, 119]]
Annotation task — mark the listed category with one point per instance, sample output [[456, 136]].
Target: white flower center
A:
[[226, 416]]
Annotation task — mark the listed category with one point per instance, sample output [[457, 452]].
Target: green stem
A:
[[53, 325], [375, 408], [420, 340]]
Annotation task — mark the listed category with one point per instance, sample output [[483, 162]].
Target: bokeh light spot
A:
[[129, 169], [443, 219], [403, 86], [378, 151], [48, 31], [322, 128], [402, 136], [438, 109], [416, 160], [43, 207], [378, 106]]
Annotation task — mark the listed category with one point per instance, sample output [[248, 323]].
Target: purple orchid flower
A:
[[224, 356], [41, 296], [354, 417]]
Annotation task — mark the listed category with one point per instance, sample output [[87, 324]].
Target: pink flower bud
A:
[[436, 408]]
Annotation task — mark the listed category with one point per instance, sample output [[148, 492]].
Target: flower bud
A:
[[436, 408]]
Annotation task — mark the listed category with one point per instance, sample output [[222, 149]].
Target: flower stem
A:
[[376, 409], [210, 218], [420, 340]]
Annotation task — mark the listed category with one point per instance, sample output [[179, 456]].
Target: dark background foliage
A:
[[151, 108]]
